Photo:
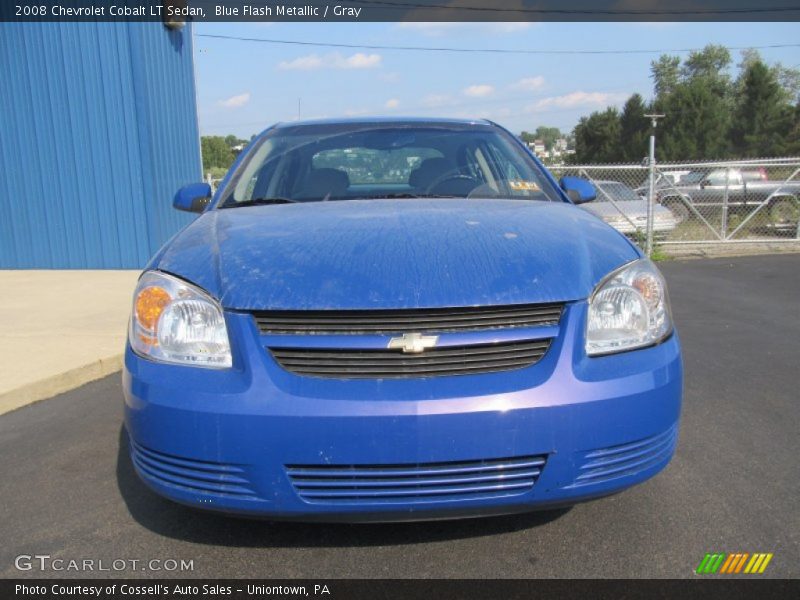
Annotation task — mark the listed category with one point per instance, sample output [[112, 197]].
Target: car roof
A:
[[365, 122]]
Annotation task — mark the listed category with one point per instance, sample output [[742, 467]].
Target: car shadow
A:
[[184, 523]]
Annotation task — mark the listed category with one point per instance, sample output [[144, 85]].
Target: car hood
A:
[[395, 254]]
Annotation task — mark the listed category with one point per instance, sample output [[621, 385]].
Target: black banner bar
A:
[[389, 589], [178, 11]]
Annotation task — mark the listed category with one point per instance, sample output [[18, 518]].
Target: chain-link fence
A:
[[722, 202]]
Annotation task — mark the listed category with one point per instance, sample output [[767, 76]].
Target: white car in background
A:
[[620, 206]]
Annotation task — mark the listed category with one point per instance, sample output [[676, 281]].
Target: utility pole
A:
[[651, 199]]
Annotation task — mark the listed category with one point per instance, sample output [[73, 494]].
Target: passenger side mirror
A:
[[578, 190], [194, 197]]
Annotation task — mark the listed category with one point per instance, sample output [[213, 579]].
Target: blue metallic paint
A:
[[243, 425], [260, 418], [395, 254]]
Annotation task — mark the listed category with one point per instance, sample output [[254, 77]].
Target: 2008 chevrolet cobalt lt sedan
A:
[[397, 319]]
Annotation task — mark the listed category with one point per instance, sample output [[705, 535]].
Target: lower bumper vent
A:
[[409, 483], [627, 459], [198, 476]]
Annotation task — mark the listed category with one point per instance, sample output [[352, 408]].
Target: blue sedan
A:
[[380, 320]]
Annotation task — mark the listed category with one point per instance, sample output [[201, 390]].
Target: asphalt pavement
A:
[[68, 489]]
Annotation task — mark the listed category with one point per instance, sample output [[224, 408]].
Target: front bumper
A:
[[567, 429]]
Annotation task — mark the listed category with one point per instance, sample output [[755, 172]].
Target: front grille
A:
[[386, 364], [418, 320], [626, 459], [421, 482], [202, 477]]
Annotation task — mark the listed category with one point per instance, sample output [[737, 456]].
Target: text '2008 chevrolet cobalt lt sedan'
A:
[[397, 319]]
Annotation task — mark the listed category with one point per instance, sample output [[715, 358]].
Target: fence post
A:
[[725, 201], [651, 191]]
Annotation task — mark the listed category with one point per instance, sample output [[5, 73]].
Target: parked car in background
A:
[[393, 319], [671, 177], [620, 206], [742, 190]]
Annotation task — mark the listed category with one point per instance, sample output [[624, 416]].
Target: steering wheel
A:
[[448, 176]]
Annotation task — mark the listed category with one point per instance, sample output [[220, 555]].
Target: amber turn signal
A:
[[150, 303]]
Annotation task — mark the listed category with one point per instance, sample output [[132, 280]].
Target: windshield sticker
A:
[[519, 186]]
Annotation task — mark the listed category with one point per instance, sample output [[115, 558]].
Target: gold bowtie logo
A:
[[413, 343]]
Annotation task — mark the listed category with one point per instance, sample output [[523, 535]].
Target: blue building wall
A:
[[98, 129]]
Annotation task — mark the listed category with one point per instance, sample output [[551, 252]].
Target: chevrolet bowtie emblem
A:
[[413, 343]]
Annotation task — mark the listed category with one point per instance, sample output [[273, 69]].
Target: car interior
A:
[[390, 164]]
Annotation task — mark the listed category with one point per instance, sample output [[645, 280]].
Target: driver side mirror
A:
[[578, 190], [194, 197]]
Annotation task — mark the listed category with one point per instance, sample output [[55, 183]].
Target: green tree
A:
[[793, 137], [665, 73], [696, 125], [548, 135], [634, 130], [597, 137], [711, 63], [216, 152], [762, 117]]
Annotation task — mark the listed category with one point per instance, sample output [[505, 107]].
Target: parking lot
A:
[[69, 490]]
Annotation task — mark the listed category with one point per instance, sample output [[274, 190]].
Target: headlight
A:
[[176, 322], [628, 309]]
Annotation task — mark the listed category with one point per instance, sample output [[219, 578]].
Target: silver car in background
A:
[[620, 206]]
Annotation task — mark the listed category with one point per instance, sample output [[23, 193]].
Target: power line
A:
[[583, 11], [470, 50]]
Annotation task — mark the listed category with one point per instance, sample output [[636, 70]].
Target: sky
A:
[[244, 87]]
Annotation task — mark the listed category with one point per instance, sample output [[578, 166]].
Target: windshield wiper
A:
[[410, 195], [259, 202]]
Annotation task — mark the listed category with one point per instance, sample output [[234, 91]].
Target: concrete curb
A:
[[58, 384]]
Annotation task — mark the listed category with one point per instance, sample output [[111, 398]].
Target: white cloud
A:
[[529, 84], [576, 99], [479, 91], [359, 61], [392, 103], [236, 101], [335, 60]]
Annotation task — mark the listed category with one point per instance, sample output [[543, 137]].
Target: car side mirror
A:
[[578, 190], [194, 197]]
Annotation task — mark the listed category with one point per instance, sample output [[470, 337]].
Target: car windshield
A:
[[619, 192], [693, 177], [307, 163]]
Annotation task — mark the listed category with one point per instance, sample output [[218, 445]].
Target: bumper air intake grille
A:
[[627, 459], [408, 483], [387, 364], [419, 320], [189, 474]]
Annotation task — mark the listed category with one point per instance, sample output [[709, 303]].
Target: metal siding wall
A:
[[98, 128]]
